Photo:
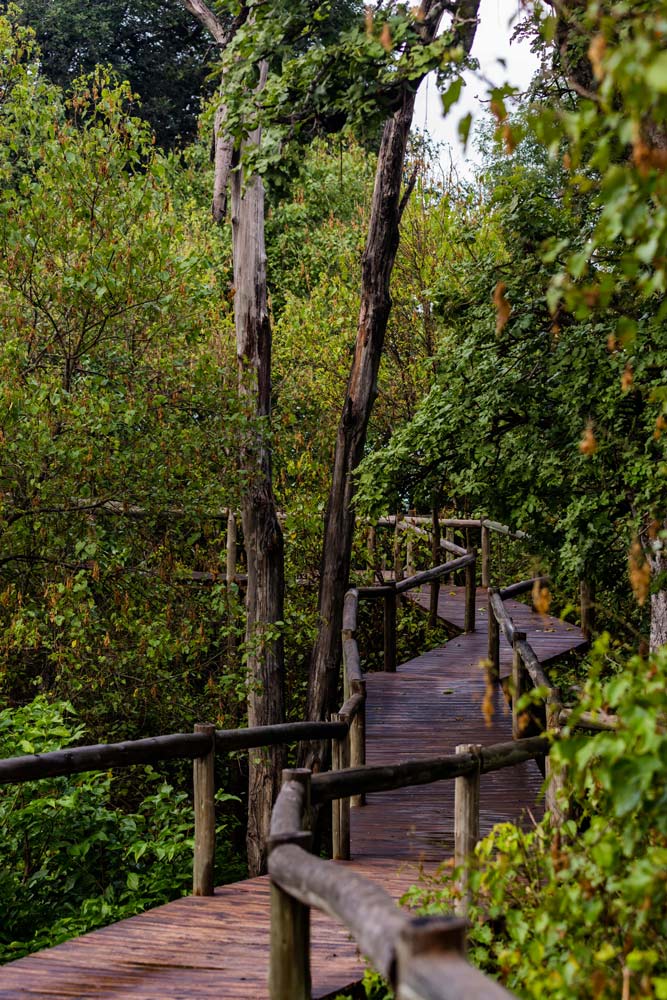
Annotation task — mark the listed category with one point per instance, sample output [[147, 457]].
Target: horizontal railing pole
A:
[[446, 976], [502, 616], [374, 593], [349, 708], [434, 574], [352, 663], [350, 610], [597, 721], [102, 756], [386, 777], [284, 732], [522, 587], [153, 749], [532, 664]]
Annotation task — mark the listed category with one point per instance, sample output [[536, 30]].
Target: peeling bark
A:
[[656, 553], [262, 533]]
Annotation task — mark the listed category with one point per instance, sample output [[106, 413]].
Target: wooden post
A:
[[587, 595], [517, 684], [398, 562], [340, 808], [494, 642], [203, 869], [358, 742], [409, 553], [466, 822], [555, 777], [289, 964], [435, 561], [390, 632], [486, 556], [230, 577], [371, 545], [471, 594]]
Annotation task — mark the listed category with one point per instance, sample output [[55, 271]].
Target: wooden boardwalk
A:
[[219, 946]]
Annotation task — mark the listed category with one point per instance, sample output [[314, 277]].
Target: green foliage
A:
[[114, 461], [71, 858], [581, 911], [548, 424], [155, 44]]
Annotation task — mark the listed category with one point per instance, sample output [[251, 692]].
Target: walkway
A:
[[219, 946]]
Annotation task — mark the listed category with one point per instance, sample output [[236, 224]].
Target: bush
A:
[[582, 911], [70, 859]]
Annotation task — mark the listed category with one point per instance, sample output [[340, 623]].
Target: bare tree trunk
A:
[[262, 533], [377, 265], [223, 154], [657, 558]]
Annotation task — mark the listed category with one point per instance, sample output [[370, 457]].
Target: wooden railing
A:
[[200, 747], [421, 958]]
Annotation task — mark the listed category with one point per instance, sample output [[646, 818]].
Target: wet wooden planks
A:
[[205, 947], [219, 946], [550, 637]]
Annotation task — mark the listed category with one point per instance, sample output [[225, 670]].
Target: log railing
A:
[[421, 958], [201, 747]]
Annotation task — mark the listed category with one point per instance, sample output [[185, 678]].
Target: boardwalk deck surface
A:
[[219, 946]]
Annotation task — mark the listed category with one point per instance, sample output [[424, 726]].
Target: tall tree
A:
[[378, 261], [261, 530]]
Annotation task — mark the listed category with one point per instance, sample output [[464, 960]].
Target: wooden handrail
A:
[[501, 615], [188, 746], [436, 573], [596, 721], [420, 957], [515, 589], [388, 777]]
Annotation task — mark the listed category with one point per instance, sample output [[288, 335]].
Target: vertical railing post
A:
[[203, 869], [486, 556], [340, 808], [518, 675], [390, 630], [289, 963], [587, 597], [426, 938], [435, 561], [555, 778], [398, 561], [471, 593], [493, 669], [371, 545], [358, 740], [466, 822], [409, 553], [230, 577]]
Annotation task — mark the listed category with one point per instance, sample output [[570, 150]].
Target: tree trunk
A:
[[261, 530], [657, 557], [377, 265], [223, 154]]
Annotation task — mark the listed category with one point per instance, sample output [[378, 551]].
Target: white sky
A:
[[492, 42]]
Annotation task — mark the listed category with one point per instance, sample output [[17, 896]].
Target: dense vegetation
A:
[[523, 376]]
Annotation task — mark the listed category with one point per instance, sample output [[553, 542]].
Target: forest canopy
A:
[[357, 332]]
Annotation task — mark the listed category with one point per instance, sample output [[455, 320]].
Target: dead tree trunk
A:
[[377, 264], [261, 530], [656, 552]]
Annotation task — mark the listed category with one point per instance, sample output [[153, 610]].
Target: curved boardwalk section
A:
[[219, 946]]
